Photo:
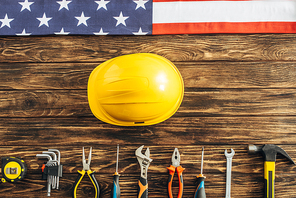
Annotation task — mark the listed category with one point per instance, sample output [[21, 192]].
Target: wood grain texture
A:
[[103, 162], [174, 47], [239, 90], [174, 131], [241, 75], [196, 102], [214, 186]]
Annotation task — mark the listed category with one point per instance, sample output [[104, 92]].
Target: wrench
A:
[[48, 178], [228, 173], [59, 161], [53, 178]]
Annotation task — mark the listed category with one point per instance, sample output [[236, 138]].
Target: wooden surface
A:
[[239, 90]]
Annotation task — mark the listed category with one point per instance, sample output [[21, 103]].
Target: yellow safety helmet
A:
[[135, 90]]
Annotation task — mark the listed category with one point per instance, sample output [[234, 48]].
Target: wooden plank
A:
[[104, 158], [174, 47], [239, 89], [63, 76], [185, 131], [247, 171], [197, 102], [215, 187]]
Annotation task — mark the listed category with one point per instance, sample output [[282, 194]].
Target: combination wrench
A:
[[228, 171]]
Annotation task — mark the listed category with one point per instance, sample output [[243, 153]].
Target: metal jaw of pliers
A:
[[144, 162], [86, 169], [175, 166]]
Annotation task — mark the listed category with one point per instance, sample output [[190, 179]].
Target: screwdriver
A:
[[200, 190], [116, 188]]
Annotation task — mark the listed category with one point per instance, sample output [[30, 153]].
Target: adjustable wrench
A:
[[144, 161], [228, 173]]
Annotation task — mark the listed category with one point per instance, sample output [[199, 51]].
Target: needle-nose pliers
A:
[[175, 166], [86, 169]]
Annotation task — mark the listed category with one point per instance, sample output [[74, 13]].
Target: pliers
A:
[[86, 169], [175, 166]]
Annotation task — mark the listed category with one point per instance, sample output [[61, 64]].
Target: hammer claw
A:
[[269, 152]]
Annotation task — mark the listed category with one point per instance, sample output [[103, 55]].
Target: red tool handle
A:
[[181, 185], [170, 181]]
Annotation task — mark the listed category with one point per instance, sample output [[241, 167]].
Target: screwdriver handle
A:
[[143, 188], [116, 188], [200, 190]]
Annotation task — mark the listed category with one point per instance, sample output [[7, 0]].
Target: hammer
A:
[[269, 152]]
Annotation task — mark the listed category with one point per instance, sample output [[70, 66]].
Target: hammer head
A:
[[269, 151]]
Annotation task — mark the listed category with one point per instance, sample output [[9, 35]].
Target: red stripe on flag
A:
[[195, 0], [224, 27]]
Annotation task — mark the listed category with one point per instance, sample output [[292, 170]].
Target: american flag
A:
[[144, 17]]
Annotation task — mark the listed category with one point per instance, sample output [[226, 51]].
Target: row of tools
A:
[[15, 169]]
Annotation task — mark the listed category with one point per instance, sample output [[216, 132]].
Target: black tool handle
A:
[[95, 183], [77, 182], [143, 188], [116, 188], [200, 189]]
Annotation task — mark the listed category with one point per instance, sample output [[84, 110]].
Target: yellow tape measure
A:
[[13, 169]]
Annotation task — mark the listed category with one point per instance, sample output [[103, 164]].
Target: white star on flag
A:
[[140, 32], [24, 33], [44, 20], [101, 32], [6, 21], [63, 4], [26, 5], [121, 19], [82, 19], [140, 3], [102, 4], [62, 32]]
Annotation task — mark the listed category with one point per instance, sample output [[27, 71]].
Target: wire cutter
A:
[[86, 169], [175, 166]]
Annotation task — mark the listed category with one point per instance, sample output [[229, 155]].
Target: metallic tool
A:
[[173, 167], [58, 153], [144, 162], [200, 190], [116, 188], [269, 152], [86, 169], [49, 181], [54, 163], [52, 170], [228, 173]]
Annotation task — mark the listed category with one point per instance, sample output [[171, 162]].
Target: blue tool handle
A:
[[116, 188], [200, 190]]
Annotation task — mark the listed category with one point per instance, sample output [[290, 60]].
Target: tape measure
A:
[[13, 169]]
